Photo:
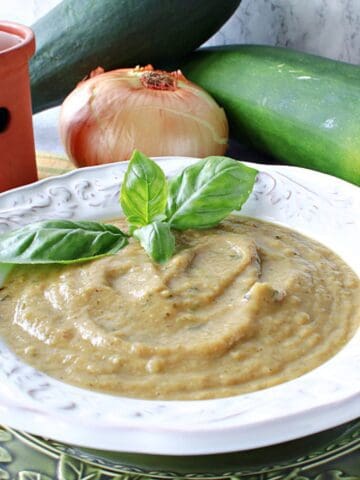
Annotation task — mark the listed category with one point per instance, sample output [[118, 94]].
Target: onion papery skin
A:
[[112, 113]]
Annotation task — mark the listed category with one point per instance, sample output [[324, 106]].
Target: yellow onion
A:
[[110, 114]]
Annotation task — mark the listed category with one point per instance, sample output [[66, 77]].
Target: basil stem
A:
[[157, 240], [5, 269]]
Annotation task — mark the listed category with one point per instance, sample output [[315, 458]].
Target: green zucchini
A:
[[302, 109], [79, 35]]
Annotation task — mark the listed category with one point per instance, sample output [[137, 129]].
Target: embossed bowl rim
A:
[[318, 205]]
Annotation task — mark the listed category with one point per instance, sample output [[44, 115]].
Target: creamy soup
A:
[[240, 307]]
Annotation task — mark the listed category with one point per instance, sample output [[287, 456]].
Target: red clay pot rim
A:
[[22, 51]]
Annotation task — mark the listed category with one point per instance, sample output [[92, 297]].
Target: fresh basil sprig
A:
[[157, 240], [201, 196], [144, 191], [60, 241]]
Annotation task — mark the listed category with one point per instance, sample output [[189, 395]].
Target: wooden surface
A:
[[50, 165]]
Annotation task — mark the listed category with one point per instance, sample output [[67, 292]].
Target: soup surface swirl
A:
[[240, 307]]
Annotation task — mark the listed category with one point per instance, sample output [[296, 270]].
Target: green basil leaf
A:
[[206, 192], [143, 192], [60, 241], [157, 240]]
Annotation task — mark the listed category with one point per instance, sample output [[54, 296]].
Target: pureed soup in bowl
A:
[[312, 204], [239, 307]]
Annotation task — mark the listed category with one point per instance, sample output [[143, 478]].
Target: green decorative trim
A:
[[26, 475], [346, 444], [5, 436], [329, 475], [5, 456], [70, 468], [4, 475], [67, 466]]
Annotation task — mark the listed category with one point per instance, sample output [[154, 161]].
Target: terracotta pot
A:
[[17, 150]]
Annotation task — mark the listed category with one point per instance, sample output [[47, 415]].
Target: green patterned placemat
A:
[[27, 457]]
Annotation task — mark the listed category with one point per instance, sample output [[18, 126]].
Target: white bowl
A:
[[320, 206]]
